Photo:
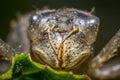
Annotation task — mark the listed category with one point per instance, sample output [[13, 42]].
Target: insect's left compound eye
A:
[[91, 30]]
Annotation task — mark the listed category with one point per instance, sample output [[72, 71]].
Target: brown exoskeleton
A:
[[63, 40]]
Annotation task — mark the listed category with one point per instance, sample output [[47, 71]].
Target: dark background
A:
[[107, 10]]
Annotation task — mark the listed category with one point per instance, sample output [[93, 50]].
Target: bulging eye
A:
[[93, 23], [91, 29], [35, 19]]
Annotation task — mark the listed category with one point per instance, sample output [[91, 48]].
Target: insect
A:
[[63, 40]]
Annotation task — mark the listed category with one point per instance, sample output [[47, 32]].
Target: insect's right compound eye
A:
[[35, 19], [33, 28]]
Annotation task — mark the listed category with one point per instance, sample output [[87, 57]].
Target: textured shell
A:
[[62, 38]]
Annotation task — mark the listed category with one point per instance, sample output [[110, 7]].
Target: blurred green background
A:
[[107, 10]]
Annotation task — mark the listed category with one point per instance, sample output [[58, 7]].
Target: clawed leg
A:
[[6, 54], [106, 54]]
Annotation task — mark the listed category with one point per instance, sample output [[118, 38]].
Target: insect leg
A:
[[110, 70], [107, 52], [6, 54]]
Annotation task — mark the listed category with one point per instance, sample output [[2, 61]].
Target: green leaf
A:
[[23, 68]]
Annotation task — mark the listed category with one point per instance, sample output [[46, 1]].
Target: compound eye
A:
[[35, 19], [93, 23], [92, 29]]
